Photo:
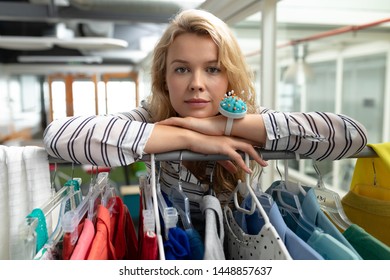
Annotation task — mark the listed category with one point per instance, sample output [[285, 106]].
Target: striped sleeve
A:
[[111, 140], [317, 135]]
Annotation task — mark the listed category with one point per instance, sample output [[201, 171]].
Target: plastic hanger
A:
[[260, 194], [32, 230], [149, 223], [160, 242], [180, 201], [71, 219], [256, 203], [169, 214], [67, 196], [293, 209], [58, 232], [330, 202]]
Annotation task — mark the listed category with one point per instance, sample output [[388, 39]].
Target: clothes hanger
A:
[[58, 232], [330, 202], [149, 223], [280, 193], [169, 214], [180, 201], [66, 197], [257, 171], [87, 208], [160, 242], [257, 204]]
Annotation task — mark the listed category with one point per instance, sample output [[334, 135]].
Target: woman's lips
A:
[[198, 103]]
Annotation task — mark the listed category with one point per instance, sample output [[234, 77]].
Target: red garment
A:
[[111, 241], [102, 247], [84, 242], [67, 246], [131, 237]]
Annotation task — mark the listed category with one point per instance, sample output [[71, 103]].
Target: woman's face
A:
[[195, 82]]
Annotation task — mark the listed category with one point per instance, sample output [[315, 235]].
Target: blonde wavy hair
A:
[[240, 77]]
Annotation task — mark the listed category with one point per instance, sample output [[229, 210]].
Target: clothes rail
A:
[[367, 152]]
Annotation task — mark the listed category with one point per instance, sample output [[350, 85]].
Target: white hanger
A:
[[72, 219], [169, 214], [256, 202], [180, 201], [155, 207], [330, 202]]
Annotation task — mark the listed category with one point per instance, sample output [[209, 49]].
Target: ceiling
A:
[[123, 32]]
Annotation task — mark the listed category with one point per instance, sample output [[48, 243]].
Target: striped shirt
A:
[[119, 139]]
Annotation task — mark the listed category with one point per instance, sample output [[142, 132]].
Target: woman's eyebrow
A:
[[185, 61]]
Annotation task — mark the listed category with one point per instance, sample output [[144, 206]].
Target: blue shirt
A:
[[310, 213]]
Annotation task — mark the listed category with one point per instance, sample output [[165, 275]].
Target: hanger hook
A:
[[211, 185], [180, 168], [54, 176], [158, 171], [72, 176], [277, 168], [320, 182]]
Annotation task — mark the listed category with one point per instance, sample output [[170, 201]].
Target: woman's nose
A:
[[197, 82]]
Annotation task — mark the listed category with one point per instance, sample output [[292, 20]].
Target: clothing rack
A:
[[367, 152]]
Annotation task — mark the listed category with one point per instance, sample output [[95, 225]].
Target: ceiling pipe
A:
[[333, 32]]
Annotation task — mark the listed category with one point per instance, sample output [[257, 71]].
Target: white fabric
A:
[[28, 187], [266, 245], [4, 235]]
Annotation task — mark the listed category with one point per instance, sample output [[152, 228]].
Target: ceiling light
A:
[[45, 43], [59, 59], [24, 43]]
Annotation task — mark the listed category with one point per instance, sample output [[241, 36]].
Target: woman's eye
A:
[[213, 70], [181, 70]]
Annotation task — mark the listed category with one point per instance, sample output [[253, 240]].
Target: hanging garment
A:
[[67, 244], [371, 214], [177, 246], [330, 248], [367, 202], [214, 231], [110, 242], [252, 224], [196, 244], [84, 242], [266, 245], [368, 246], [312, 211]]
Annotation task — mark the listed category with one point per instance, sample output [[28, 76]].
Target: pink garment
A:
[[84, 242]]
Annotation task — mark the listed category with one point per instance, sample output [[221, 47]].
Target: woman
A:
[[195, 63]]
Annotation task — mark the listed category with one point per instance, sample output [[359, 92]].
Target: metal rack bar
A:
[[367, 152]]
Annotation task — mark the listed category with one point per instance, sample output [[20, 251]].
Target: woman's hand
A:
[[229, 146], [166, 138]]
